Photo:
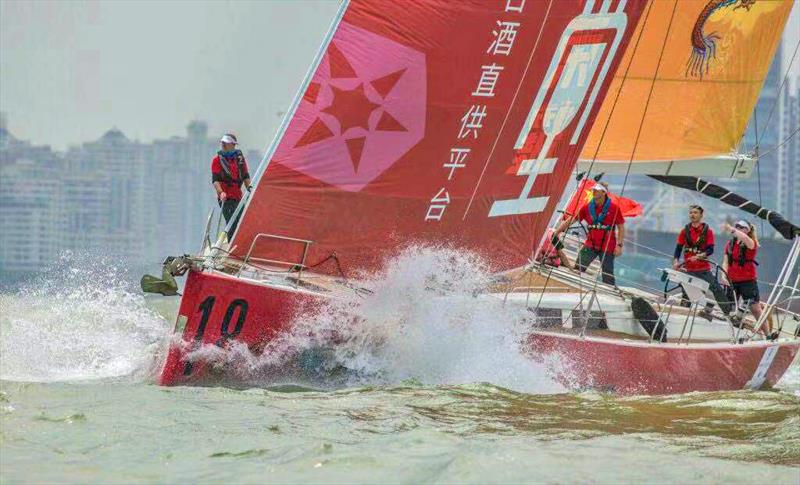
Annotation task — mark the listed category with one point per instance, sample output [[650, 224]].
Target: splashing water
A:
[[424, 321], [82, 321]]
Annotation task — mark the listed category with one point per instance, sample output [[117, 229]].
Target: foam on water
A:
[[424, 321], [83, 321]]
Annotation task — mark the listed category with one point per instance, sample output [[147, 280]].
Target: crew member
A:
[[696, 243], [739, 266], [228, 173], [606, 233]]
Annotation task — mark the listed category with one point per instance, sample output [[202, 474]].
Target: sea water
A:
[[424, 384]]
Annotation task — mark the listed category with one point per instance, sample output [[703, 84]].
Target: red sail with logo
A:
[[440, 123]]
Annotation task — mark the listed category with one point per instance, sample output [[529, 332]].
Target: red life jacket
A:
[[692, 248], [741, 261]]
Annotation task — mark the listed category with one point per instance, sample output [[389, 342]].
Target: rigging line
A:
[[644, 115], [649, 97], [758, 165], [758, 180], [513, 101], [786, 140], [755, 128], [778, 96], [619, 92], [613, 108]]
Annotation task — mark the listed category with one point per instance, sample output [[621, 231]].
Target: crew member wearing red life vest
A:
[[696, 243], [606, 233], [739, 264], [228, 172]]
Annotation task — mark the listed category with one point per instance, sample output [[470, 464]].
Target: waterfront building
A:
[[32, 226], [136, 202], [790, 159]]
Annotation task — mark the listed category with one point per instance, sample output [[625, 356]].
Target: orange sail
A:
[[686, 88]]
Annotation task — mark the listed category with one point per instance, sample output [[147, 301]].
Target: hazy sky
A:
[[69, 70]]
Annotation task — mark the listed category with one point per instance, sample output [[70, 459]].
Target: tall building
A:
[[32, 226], [112, 196], [789, 156], [181, 169], [106, 185], [764, 132]]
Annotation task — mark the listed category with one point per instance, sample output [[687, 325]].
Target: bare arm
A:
[[620, 239], [564, 225], [220, 193], [724, 273], [740, 235], [747, 240]]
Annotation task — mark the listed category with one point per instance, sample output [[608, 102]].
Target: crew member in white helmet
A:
[[228, 172]]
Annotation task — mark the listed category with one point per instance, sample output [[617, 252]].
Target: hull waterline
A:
[[639, 367], [217, 309]]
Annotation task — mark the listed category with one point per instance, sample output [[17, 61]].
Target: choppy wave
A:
[[83, 320], [422, 322]]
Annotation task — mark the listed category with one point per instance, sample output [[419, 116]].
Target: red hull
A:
[[218, 309], [213, 306], [636, 367]]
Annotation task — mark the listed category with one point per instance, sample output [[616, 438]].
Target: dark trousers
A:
[[587, 255], [719, 293], [228, 208]]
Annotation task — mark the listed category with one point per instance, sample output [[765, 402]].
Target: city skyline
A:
[[111, 195], [146, 197]]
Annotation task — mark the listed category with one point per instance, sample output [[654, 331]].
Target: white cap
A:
[[742, 224], [228, 138], [600, 187]]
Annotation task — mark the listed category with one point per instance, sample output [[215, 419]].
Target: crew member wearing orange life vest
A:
[[739, 265], [696, 243], [228, 172], [606, 233]]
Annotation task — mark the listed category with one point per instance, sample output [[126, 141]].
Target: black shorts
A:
[[747, 291]]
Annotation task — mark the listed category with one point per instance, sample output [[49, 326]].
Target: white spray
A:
[[427, 319], [80, 322]]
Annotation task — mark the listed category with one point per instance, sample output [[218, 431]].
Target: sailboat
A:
[[460, 124]]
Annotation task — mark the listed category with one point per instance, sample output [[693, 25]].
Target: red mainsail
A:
[[440, 123]]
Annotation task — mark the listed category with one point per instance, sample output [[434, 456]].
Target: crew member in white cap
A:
[[606, 233], [739, 267], [228, 172]]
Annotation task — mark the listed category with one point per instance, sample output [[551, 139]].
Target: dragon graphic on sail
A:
[[704, 46]]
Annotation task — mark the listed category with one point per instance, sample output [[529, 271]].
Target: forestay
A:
[[437, 122]]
